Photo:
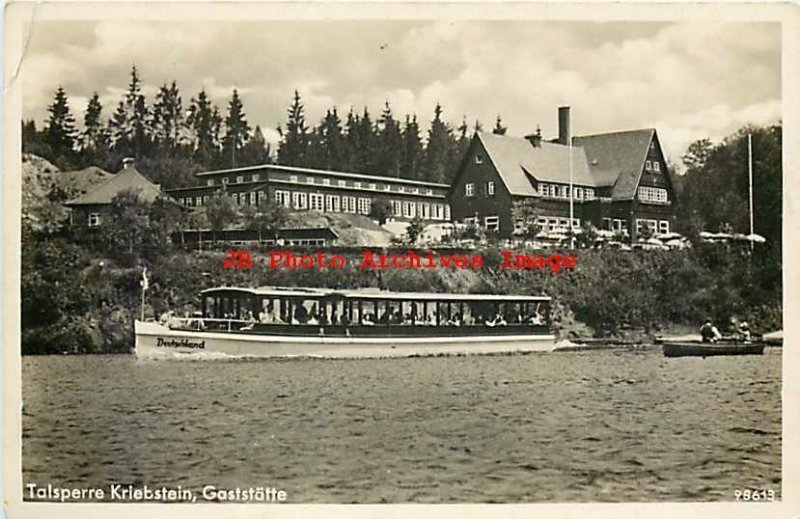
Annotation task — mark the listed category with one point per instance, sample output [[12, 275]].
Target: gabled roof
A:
[[515, 158], [76, 183], [128, 179], [617, 159]]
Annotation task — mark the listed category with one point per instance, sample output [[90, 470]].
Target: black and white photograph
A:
[[413, 255]]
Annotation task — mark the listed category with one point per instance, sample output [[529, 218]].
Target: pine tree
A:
[[329, 142], [294, 144], [256, 151], [499, 129], [435, 165], [366, 161], [129, 127], [94, 139], [168, 117], [389, 145], [60, 132], [412, 149], [352, 142], [202, 122], [237, 131]]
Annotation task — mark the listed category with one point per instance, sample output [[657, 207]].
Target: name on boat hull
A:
[[180, 343]]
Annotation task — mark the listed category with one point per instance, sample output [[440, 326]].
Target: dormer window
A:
[[240, 179]]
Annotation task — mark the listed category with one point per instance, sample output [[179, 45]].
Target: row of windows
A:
[[374, 186], [490, 223], [359, 205], [488, 189], [562, 191], [655, 226], [653, 166], [652, 194], [556, 223], [615, 224]]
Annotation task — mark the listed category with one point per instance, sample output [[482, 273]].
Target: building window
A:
[[397, 208], [663, 226], [349, 204], [261, 196], [401, 189], [373, 186], [588, 193], [653, 194], [364, 205], [408, 209], [256, 177], [648, 165], [332, 203], [225, 180], [283, 198], [316, 201], [205, 199], [210, 182], [341, 183], [469, 189], [429, 191], [492, 223], [579, 193], [300, 200], [253, 197], [357, 185], [656, 166], [425, 210], [309, 180], [447, 212], [653, 145], [490, 188], [478, 159], [94, 219], [619, 225], [239, 179], [642, 224], [387, 187], [607, 224], [198, 201]]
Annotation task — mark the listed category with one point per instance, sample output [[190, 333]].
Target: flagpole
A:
[[145, 284], [750, 174]]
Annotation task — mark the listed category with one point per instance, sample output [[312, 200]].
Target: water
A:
[[588, 426]]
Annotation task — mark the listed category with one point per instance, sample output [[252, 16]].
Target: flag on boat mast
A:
[[145, 282]]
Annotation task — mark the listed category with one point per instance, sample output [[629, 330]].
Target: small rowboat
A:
[[698, 349]]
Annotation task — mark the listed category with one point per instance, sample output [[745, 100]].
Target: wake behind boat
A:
[[312, 322]]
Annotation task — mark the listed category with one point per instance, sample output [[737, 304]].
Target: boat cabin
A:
[[311, 311]]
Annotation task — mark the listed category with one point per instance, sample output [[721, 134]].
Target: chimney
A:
[[128, 162], [535, 138], [563, 125]]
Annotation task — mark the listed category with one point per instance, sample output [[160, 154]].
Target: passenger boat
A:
[[707, 349], [312, 322]]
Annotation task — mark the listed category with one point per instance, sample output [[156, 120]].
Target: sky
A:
[[687, 80]]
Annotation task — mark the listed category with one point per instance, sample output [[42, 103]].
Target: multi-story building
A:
[[304, 189], [620, 181]]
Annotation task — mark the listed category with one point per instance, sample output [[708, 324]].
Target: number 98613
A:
[[754, 494]]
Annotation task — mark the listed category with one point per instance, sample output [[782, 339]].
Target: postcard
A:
[[335, 259]]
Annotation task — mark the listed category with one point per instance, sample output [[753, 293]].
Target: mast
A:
[[750, 175]]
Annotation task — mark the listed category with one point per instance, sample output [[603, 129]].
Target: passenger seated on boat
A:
[[367, 321], [536, 319], [312, 320], [300, 315], [709, 332], [455, 320], [430, 320], [744, 331], [251, 320], [498, 320]]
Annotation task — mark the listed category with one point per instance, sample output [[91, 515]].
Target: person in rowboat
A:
[[709, 332]]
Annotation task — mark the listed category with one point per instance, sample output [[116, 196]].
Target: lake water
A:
[[586, 426]]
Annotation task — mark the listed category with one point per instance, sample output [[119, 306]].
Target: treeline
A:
[[713, 194], [172, 141]]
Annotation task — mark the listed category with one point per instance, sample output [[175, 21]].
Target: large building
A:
[[304, 189], [620, 181]]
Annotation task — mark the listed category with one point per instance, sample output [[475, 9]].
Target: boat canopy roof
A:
[[365, 294]]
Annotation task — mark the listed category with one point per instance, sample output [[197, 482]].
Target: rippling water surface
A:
[[588, 426]]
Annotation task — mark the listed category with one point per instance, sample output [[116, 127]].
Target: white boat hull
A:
[[154, 340]]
